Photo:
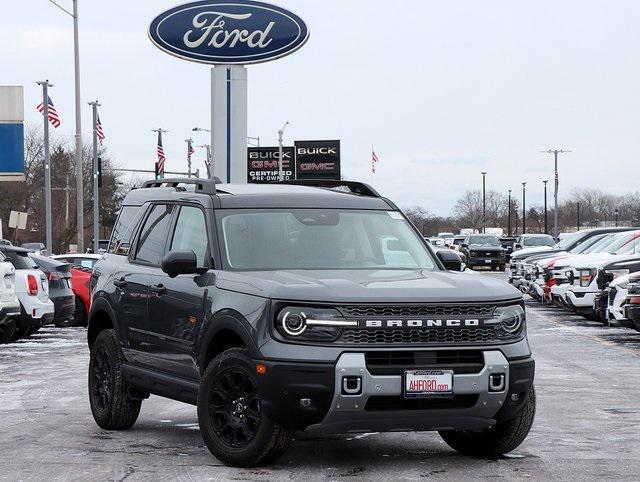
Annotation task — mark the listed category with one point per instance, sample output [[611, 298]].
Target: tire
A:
[[231, 421], [32, 330], [111, 405], [501, 267], [497, 440], [7, 331]]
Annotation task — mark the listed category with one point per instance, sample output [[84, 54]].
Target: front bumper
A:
[[632, 313], [580, 300], [310, 397], [485, 261]]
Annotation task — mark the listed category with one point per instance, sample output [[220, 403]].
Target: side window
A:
[[123, 230], [153, 235], [191, 233]]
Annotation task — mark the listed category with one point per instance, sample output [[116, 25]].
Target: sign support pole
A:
[[47, 166], [96, 189]]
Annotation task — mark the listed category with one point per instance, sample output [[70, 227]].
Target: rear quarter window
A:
[[123, 230]]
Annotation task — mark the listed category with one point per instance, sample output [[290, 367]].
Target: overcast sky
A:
[[443, 90]]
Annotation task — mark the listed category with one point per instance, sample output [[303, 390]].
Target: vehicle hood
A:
[[374, 286], [524, 252], [545, 256], [621, 280]]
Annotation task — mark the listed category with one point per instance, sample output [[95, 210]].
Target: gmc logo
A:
[[421, 323]]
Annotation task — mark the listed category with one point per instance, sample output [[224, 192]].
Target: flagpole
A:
[[160, 130], [47, 166], [96, 193], [188, 141]]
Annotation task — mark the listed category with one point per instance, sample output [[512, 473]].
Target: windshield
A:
[[596, 244], [321, 239], [538, 241], [569, 241], [587, 244], [623, 244], [484, 240]]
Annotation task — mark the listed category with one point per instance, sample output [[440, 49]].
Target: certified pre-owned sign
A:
[[228, 32], [263, 165]]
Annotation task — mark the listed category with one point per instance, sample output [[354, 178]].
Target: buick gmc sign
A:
[[228, 32], [317, 159], [263, 164]]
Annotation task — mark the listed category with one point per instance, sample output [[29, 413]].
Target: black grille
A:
[[351, 311], [401, 403], [416, 335], [395, 362]]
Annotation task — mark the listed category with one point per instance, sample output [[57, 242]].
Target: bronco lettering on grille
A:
[[429, 323]]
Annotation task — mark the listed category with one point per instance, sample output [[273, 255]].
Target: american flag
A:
[[374, 161], [190, 151], [161, 157], [99, 130], [53, 114]]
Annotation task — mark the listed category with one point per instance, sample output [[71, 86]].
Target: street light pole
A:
[[96, 189], [484, 202], [524, 208], [47, 166], [546, 229], [280, 134], [509, 215], [555, 153], [78, 153]]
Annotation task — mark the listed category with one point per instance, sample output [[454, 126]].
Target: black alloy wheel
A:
[[234, 407], [102, 375]]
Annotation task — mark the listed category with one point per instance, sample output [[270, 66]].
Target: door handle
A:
[[120, 283], [159, 289]]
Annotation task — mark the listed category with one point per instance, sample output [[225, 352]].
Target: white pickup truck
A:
[[9, 304]]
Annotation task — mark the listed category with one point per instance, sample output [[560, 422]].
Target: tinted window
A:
[[123, 230], [191, 233], [153, 235]]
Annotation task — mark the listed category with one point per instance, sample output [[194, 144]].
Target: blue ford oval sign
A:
[[228, 32]]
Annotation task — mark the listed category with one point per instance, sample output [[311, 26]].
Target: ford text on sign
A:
[[228, 32]]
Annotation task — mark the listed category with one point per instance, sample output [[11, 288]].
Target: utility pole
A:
[[524, 208], [509, 215], [546, 229], [47, 165], [555, 153], [484, 203], [96, 189], [578, 214], [280, 134]]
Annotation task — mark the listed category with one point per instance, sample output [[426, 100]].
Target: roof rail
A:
[[354, 187], [205, 186]]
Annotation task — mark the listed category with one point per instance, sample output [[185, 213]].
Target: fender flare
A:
[[229, 320], [101, 304]]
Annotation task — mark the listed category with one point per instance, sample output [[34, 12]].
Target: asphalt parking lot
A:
[[587, 425]]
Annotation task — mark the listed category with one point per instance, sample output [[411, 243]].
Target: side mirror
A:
[[449, 259], [181, 262], [517, 246]]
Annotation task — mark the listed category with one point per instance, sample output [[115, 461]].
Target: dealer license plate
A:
[[488, 261], [428, 383]]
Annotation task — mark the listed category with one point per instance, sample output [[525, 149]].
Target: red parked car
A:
[[82, 265]]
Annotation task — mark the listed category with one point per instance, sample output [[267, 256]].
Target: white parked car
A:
[[32, 290], [447, 237], [9, 304]]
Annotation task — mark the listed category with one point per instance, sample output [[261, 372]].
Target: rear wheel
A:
[[497, 440], [111, 404], [7, 330], [232, 423]]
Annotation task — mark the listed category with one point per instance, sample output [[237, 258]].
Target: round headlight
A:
[[293, 323], [509, 320]]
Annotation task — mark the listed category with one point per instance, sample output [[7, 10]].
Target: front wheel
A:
[[497, 440], [232, 423], [111, 404]]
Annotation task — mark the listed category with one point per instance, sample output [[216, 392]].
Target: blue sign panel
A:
[[228, 32], [11, 150]]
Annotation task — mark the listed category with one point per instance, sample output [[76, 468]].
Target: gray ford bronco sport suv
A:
[[312, 306]]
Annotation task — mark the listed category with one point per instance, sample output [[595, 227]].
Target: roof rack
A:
[[354, 187], [205, 186]]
